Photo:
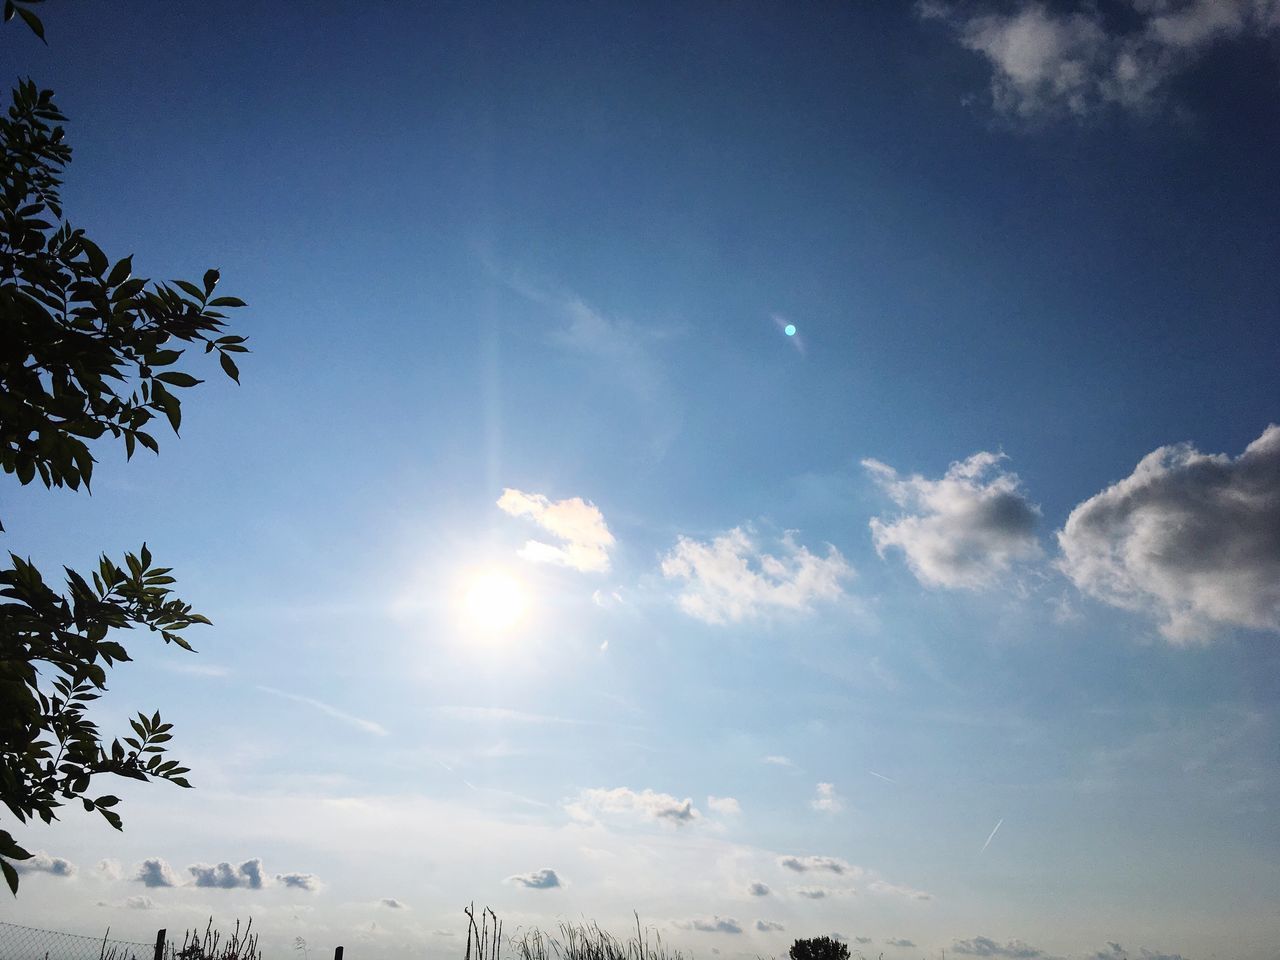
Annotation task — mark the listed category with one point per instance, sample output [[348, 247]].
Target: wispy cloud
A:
[[826, 799], [392, 903], [770, 926], [710, 924], [725, 806], [299, 881], [963, 531], [627, 803], [818, 865], [1047, 61], [897, 890], [986, 947], [777, 761], [585, 540], [1188, 537], [992, 835], [369, 726], [730, 578], [901, 942]]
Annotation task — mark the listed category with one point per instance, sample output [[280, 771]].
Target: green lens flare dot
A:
[[789, 329]]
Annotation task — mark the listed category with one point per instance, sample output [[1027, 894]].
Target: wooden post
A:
[[337, 953], [160, 944]]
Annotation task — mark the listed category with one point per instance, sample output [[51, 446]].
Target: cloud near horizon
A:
[[645, 804], [1189, 538], [41, 862], [964, 531], [769, 926], [585, 540], [544, 879], [1057, 62], [818, 864], [986, 947], [730, 579], [710, 925]]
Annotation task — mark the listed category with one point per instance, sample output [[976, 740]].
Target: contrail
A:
[[993, 833], [883, 777]]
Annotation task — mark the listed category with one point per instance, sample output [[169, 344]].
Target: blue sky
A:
[[990, 540]]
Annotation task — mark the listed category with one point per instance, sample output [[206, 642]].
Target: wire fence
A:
[[31, 943]]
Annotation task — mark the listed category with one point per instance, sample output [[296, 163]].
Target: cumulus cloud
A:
[[710, 925], [140, 902], [41, 862], [725, 806], [1048, 61], [986, 947], [826, 799], [154, 872], [299, 881], [730, 578], [622, 801], [898, 890], [585, 540], [394, 904], [899, 942], [1190, 538], [768, 926], [965, 530], [110, 869], [544, 879], [226, 877], [817, 864], [759, 889]]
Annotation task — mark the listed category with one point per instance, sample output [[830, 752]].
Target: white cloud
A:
[[813, 893], [826, 799], [963, 531], [759, 889], [140, 902], [777, 761], [898, 890], [710, 925], [900, 942], [986, 947], [110, 869], [730, 579], [544, 879], [818, 865], [154, 872], [1046, 61], [393, 904], [725, 806], [1190, 538], [299, 881], [622, 801], [585, 540], [768, 926], [224, 876], [41, 862]]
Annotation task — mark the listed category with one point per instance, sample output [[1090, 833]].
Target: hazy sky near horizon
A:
[[549, 572]]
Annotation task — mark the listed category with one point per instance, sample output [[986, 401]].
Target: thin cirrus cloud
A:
[[360, 723], [544, 879], [898, 890], [965, 530], [1189, 538], [1075, 62], [730, 578], [578, 525], [638, 805]]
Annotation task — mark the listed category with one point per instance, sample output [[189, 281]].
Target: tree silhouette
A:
[[819, 948], [86, 349]]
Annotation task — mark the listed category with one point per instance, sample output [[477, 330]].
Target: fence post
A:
[[337, 953], [159, 955]]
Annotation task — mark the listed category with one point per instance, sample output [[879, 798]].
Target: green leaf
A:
[[177, 379], [10, 876], [38, 29], [229, 367], [227, 302], [210, 280], [120, 272]]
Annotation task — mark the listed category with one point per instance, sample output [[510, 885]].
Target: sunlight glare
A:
[[494, 602]]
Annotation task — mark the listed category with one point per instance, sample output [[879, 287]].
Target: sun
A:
[[494, 602]]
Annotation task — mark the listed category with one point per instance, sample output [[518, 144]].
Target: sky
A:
[[549, 571]]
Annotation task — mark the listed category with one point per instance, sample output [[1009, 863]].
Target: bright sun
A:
[[494, 602]]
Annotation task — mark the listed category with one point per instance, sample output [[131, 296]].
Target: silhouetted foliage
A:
[[86, 349], [819, 948]]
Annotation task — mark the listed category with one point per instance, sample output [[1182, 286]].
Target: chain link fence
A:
[[31, 943]]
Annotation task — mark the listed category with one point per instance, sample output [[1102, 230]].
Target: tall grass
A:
[[587, 941]]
